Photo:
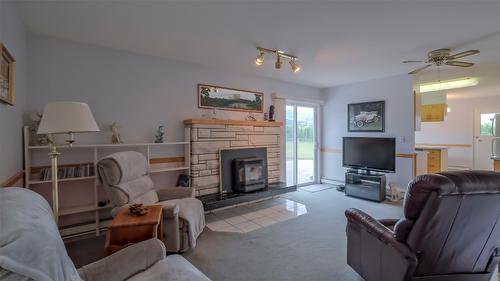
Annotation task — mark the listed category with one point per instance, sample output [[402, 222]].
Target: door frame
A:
[[316, 135], [476, 123]]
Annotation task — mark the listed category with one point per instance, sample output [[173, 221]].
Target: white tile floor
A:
[[253, 216]]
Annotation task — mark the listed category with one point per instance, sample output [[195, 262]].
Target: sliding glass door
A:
[[301, 144]]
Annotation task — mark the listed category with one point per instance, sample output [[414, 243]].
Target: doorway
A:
[[484, 133], [301, 144]]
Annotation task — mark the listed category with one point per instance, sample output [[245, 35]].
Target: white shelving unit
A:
[[97, 225]]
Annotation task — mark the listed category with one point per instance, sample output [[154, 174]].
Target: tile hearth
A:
[[253, 216]]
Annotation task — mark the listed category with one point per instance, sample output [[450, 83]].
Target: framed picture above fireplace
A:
[[210, 96]]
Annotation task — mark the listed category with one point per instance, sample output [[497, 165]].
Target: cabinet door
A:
[[433, 112]]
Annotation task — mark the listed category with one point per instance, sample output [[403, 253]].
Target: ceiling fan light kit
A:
[[441, 57], [449, 84], [280, 55]]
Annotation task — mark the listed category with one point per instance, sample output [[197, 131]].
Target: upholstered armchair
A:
[[32, 249], [450, 232], [124, 176]]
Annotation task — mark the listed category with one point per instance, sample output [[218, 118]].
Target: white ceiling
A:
[[336, 42]]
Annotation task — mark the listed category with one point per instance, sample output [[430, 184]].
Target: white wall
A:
[[396, 91], [457, 128], [12, 35], [139, 92]]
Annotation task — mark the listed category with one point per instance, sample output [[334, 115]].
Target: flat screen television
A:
[[370, 154]]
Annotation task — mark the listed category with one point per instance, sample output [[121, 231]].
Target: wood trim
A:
[[406, 155], [13, 180], [339, 151], [202, 121], [444, 144], [331, 150], [163, 160], [166, 160]]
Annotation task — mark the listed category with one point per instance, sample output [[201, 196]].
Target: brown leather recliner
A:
[[451, 232]]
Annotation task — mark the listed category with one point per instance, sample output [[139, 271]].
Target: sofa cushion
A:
[[173, 268], [30, 243]]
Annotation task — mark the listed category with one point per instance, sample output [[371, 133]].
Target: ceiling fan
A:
[[442, 56]]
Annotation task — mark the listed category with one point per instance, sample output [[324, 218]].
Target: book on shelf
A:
[[80, 171]]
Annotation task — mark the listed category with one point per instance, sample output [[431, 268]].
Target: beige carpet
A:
[[309, 247]]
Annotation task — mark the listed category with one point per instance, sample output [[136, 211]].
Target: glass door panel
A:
[[305, 144], [290, 145], [300, 144]]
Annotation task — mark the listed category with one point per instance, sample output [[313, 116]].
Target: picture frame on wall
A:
[[217, 97], [7, 64], [366, 117]]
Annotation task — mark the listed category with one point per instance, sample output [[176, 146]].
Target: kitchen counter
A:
[[437, 157]]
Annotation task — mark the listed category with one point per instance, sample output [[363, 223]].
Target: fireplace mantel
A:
[[201, 121]]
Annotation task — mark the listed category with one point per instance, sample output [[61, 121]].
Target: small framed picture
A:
[[7, 63], [366, 117]]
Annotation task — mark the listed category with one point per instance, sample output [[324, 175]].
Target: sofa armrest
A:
[[170, 193], [378, 230], [373, 251], [125, 263]]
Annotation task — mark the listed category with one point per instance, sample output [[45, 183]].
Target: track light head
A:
[[295, 66], [260, 59], [278, 63]]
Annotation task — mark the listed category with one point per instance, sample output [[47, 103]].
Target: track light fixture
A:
[[295, 66], [278, 63], [280, 55], [260, 59]]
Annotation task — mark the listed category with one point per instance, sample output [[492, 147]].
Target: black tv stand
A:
[[365, 185]]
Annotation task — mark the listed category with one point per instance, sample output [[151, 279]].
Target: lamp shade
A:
[[67, 117]]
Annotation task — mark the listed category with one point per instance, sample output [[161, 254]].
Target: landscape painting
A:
[[229, 99], [366, 117]]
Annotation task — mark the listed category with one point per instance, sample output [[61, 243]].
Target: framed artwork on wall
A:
[[7, 62], [210, 96], [366, 117]]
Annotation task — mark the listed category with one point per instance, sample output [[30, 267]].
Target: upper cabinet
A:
[[432, 112], [432, 106]]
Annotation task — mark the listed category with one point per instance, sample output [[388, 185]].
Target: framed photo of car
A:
[[366, 117]]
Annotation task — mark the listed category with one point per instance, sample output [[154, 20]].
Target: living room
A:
[[239, 132]]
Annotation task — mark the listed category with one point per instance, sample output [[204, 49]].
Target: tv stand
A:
[[365, 185]]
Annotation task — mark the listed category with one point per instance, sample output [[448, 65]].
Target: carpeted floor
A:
[[309, 247]]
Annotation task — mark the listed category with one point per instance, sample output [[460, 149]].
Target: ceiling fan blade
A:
[[463, 54], [419, 69], [412, 61], [459, 63]]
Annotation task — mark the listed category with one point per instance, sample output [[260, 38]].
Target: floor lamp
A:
[[64, 118]]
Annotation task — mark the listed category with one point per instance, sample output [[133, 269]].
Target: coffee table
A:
[[127, 229]]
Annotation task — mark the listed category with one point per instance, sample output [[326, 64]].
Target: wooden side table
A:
[[126, 229]]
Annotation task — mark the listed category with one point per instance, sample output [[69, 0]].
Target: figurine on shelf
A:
[[116, 137], [271, 113], [160, 133]]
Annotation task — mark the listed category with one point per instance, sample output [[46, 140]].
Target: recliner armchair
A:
[[450, 232], [124, 175]]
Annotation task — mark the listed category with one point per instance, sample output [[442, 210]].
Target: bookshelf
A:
[[73, 171]]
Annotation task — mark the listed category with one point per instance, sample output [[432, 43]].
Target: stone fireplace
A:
[[210, 136]]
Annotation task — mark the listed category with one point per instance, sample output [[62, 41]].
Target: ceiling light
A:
[[449, 84], [280, 56], [260, 59], [278, 63], [295, 66]]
